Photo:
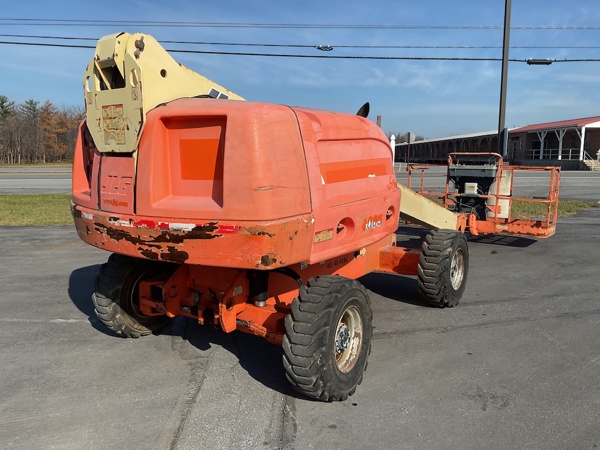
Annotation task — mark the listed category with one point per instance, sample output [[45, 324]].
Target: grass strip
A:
[[531, 210], [20, 210]]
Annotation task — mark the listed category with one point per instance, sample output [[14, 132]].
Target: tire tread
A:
[[107, 296], [305, 344], [434, 265]]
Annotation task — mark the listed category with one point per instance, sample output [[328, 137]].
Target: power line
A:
[[89, 22], [281, 55], [49, 37], [391, 58], [41, 44], [417, 47]]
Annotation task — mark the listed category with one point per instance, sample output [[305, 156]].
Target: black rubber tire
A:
[[443, 267], [116, 293], [316, 364]]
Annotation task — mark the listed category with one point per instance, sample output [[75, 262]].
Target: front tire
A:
[[443, 267], [328, 338], [116, 299]]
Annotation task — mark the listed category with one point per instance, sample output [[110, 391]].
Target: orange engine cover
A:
[[239, 184]]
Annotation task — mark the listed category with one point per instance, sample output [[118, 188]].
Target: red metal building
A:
[[572, 144]]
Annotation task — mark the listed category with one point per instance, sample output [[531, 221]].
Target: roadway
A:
[[35, 180], [515, 365], [575, 185]]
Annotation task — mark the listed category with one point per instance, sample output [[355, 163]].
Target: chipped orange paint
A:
[[266, 245]]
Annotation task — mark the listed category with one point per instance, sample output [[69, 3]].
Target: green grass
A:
[[530, 210], [17, 210], [536, 210], [54, 209]]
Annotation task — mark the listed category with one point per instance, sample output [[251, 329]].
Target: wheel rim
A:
[[457, 270], [133, 299], [348, 339]]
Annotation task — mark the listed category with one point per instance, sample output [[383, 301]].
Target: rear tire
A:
[[328, 338], [443, 268], [116, 300]]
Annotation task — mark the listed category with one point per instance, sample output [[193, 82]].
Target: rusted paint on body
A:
[[247, 245], [255, 231], [267, 261]]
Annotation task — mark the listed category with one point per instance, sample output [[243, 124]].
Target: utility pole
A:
[[502, 130]]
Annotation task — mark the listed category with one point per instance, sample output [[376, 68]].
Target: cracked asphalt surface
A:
[[515, 365]]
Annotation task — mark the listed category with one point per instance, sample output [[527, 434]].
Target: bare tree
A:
[[30, 133]]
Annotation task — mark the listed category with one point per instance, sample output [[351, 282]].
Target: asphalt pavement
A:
[[575, 185], [35, 180], [516, 365]]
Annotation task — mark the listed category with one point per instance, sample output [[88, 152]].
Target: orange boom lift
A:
[[247, 216]]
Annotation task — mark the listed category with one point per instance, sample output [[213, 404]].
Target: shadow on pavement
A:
[[395, 287], [81, 288], [261, 359], [411, 236], [498, 239]]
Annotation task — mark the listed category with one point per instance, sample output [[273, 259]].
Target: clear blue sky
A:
[[430, 98]]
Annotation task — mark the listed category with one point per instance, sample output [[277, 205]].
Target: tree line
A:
[[31, 133]]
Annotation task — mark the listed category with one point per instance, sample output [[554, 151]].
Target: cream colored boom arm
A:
[[130, 75], [418, 209]]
